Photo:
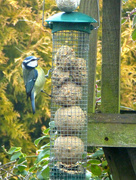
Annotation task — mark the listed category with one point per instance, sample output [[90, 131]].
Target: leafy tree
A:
[[22, 34]]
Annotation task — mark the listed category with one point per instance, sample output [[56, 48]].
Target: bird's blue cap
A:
[[29, 58]]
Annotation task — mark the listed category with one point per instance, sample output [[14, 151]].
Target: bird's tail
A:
[[32, 102]]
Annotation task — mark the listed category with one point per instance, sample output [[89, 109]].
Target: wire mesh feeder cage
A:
[[68, 135]]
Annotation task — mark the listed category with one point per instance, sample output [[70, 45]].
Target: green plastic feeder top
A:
[[71, 21]]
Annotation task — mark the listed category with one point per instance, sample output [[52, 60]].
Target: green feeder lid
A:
[[70, 21], [73, 17]]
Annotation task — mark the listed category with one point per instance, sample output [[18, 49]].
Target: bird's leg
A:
[[47, 75], [46, 93]]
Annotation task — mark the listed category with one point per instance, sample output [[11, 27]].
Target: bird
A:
[[34, 78]]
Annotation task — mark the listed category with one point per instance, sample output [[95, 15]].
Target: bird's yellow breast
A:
[[40, 81]]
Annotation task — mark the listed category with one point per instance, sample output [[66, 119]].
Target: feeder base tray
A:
[[67, 172]]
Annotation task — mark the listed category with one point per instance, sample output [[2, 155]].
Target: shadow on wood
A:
[[120, 164]]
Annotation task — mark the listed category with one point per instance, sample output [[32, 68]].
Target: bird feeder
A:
[[68, 133]]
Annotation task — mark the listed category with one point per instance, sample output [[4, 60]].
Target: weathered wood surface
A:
[[112, 118], [120, 163], [112, 134], [119, 159], [113, 130], [111, 30], [89, 7], [132, 156]]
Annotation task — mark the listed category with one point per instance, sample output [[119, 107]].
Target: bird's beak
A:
[[38, 59]]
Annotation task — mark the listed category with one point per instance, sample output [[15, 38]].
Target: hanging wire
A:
[[43, 14], [98, 12]]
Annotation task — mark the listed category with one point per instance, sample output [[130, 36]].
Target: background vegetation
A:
[[128, 55], [21, 35]]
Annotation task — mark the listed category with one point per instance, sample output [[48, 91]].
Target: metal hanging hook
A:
[[43, 14], [98, 16]]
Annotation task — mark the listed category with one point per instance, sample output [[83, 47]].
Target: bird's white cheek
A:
[[32, 64]]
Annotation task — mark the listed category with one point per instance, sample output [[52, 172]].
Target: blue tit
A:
[[34, 78]]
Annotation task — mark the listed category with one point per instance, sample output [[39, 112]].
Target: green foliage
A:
[[128, 56], [22, 34], [98, 165], [20, 166]]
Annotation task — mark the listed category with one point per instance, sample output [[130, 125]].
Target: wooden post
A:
[[120, 163], [119, 159], [90, 8], [111, 31]]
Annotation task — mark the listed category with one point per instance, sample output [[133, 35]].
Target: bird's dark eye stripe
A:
[[29, 61]]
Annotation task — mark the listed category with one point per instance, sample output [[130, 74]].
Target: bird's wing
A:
[[31, 78]]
